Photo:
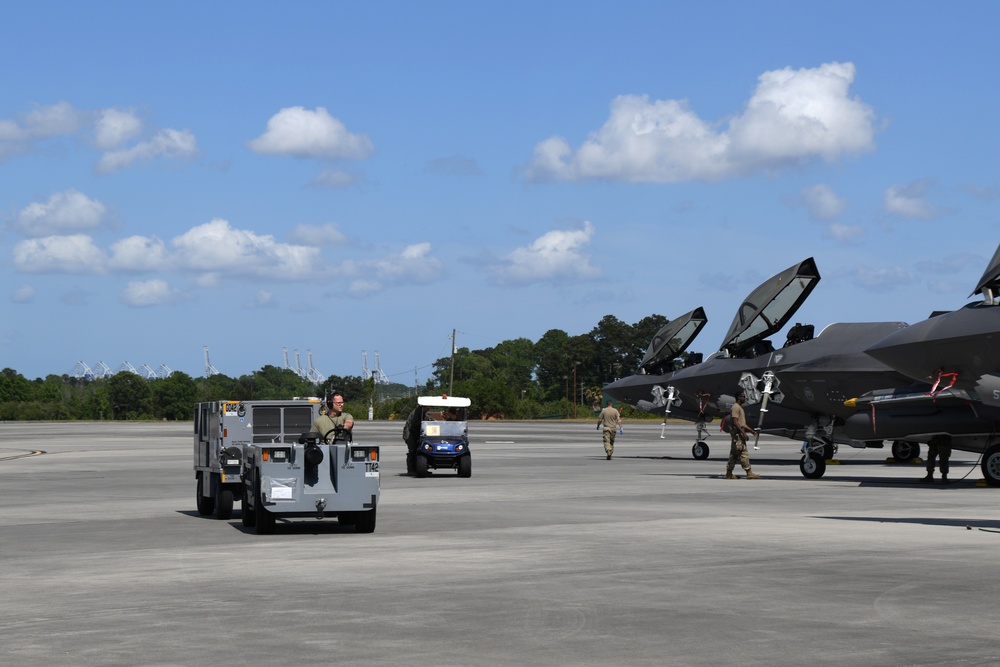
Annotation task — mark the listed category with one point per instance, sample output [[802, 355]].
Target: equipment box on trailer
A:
[[222, 432]]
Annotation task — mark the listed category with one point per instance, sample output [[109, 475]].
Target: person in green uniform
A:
[[334, 419]]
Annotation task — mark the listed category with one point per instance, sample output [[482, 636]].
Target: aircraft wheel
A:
[[420, 466], [248, 517], [365, 521], [205, 504], [813, 465], [700, 450], [991, 465], [465, 466], [829, 450], [905, 450]]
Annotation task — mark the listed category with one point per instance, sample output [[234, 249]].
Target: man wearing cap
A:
[[738, 429]]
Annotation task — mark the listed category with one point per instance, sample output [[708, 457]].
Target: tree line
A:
[[557, 376]]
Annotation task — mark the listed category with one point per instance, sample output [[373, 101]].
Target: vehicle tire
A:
[[420, 465], [248, 517], [991, 465], [812, 466], [263, 520], [905, 450], [700, 450], [224, 504], [365, 521], [205, 504], [465, 466]]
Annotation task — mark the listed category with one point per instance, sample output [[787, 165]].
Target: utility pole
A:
[[451, 382], [575, 364]]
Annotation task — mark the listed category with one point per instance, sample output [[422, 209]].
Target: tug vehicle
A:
[[222, 432], [309, 478]]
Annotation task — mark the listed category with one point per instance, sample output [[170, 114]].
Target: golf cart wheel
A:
[[465, 466], [700, 450], [420, 465]]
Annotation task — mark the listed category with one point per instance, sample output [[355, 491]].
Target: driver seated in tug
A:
[[335, 420]]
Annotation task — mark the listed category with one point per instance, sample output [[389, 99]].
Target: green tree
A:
[[130, 396], [174, 396]]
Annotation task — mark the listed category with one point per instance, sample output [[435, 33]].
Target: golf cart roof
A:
[[444, 401]]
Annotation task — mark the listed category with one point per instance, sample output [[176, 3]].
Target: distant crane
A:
[[150, 373], [209, 368], [103, 370], [82, 371], [313, 374], [284, 352], [164, 371], [126, 366], [380, 377], [298, 366]]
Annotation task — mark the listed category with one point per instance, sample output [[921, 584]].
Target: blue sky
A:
[[338, 177]]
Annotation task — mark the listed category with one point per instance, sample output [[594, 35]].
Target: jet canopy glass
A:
[[671, 340], [989, 284], [770, 306]]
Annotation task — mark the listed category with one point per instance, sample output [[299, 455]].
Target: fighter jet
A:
[[661, 361], [956, 357], [801, 387]]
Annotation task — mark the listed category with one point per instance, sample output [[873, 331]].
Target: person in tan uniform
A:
[[611, 421], [739, 429]]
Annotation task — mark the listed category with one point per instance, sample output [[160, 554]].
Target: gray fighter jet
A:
[[662, 360], [800, 387], [956, 357]]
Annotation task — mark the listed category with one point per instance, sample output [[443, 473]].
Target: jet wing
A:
[[770, 306], [671, 340]]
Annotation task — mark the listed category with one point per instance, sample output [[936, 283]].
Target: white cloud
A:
[[794, 117], [846, 234], [883, 278], [907, 201], [557, 256], [305, 133], [113, 127], [139, 254], [216, 247], [75, 254], [413, 265], [44, 122], [822, 203], [23, 294], [338, 179], [64, 212], [318, 235], [146, 293], [166, 143], [263, 299]]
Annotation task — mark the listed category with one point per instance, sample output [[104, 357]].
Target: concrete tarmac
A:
[[548, 555]]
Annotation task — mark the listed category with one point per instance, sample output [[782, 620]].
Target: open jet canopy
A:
[[989, 284], [770, 306], [671, 340]]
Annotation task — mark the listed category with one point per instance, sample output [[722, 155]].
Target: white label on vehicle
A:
[[371, 468], [281, 493]]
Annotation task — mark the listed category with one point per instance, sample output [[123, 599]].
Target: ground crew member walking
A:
[[611, 420], [738, 429]]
